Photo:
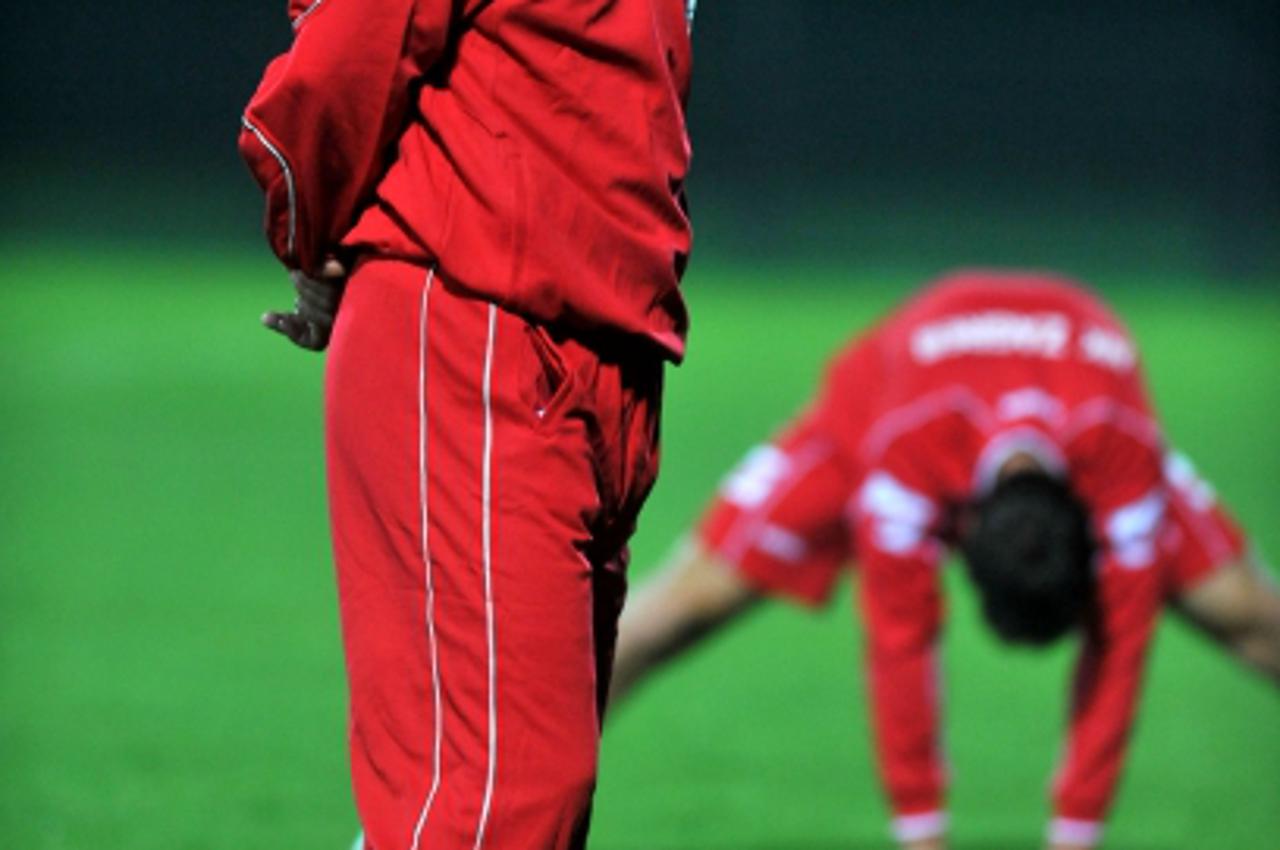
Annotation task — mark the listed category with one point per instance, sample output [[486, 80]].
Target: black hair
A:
[[1029, 550]]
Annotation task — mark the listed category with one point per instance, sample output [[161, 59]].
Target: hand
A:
[[937, 842], [310, 322], [1061, 846]]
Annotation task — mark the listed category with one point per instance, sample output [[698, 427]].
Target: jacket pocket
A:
[[551, 380]]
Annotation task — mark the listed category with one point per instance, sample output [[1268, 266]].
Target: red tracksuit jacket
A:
[[535, 151]]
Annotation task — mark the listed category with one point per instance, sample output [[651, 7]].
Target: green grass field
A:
[[170, 673]]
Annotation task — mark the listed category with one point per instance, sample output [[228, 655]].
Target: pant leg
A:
[[375, 447], [476, 533]]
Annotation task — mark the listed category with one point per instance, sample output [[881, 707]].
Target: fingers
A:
[[300, 331], [316, 308], [309, 323], [317, 298]]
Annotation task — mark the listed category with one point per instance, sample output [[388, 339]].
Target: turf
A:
[[170, 674]]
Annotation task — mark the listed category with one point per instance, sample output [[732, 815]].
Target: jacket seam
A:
[[290, 188], [304, 14]]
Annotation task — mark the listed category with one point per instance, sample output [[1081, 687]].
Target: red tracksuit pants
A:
[[484, 476]]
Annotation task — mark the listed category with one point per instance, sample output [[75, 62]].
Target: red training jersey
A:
[[975, 368], [536, 152], [913, 421]]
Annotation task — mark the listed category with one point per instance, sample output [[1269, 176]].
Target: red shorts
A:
[[484, 476], [780, 516]]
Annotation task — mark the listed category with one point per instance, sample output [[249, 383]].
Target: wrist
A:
[[1074, 832], [919, 828]]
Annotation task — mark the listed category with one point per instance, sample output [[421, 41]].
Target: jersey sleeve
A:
[[902, 612], [779, 517], [318, 129], [1201, 535], [844, 405], [1104, 699], [1116, 461]]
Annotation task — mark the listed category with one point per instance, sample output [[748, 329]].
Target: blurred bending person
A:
[[1002, 415], [482, 206]]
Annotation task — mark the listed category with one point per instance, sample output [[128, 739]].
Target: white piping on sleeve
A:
[[304, 14], [1132, 530], [487, 543], [288, 179], [428, 576]]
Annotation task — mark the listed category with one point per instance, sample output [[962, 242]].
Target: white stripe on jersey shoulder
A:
[[690, 9], [762, 479], [901, 515], [1131, 530], [288, 178], [1181, 474], [750, 482]]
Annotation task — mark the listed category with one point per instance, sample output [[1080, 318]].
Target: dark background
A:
[[1127, 136]]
